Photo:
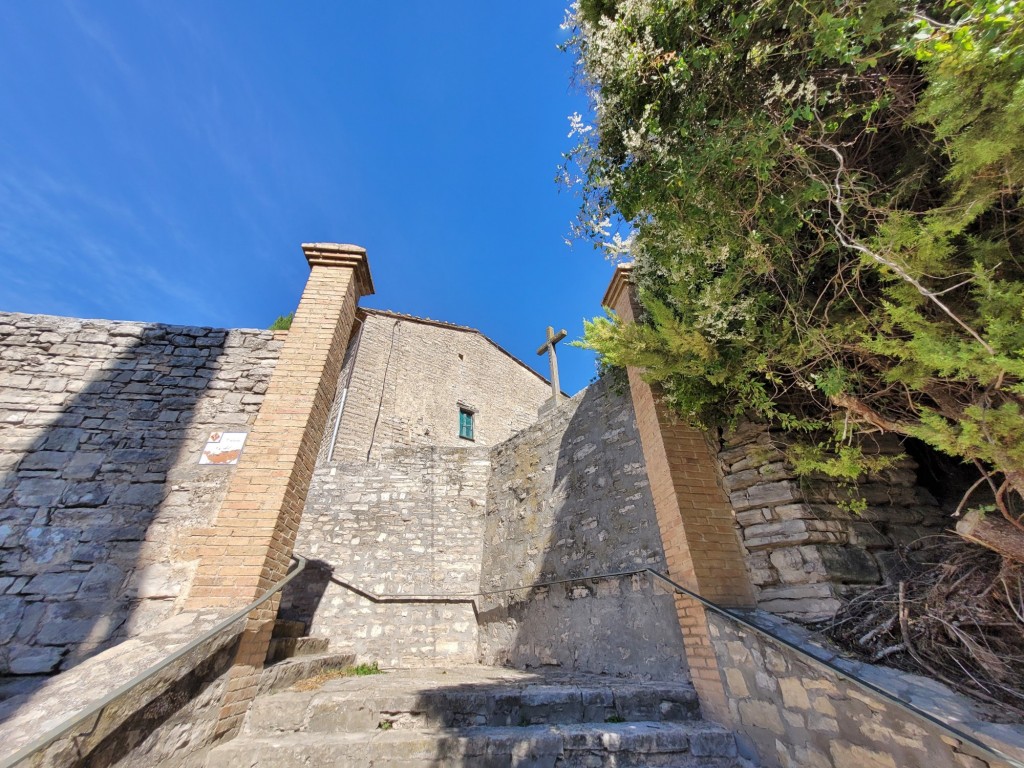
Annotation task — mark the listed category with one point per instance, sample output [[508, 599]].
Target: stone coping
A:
[[930, 696], [131, 327], [29, 716], [342, 255], [620, 281]]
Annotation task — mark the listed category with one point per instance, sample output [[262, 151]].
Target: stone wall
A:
[[101, 428], [408, 523], [805, 551], [411, 377], [790, 713], [168, 719], [569, 498]]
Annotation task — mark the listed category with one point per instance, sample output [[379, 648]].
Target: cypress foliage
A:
[[823, 202]]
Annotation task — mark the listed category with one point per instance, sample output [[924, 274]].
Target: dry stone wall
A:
[[569, 498], [410, 378], [101, 428], [806, 551], [409, 523]]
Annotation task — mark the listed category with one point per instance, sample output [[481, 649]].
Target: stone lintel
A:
[[621, 281], [342, 255]]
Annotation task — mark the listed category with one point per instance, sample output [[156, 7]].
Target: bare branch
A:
[[853, 244]]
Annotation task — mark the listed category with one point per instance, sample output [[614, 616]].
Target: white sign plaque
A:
[[223, 448]]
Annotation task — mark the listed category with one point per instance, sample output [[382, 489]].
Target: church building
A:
[[182, 508]]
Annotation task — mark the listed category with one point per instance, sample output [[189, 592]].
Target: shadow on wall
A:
[[569, 498], [79, 566], [301, 598]]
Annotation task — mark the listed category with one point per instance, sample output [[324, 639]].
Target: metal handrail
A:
[[97, 707], [721, 611], [60, 730]]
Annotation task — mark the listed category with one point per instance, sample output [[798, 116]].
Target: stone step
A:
[[289, 647], [581, 745], [363, 704], [289, 628], [276, 677]]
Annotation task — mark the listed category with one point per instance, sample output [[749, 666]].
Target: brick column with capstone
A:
[[698, 533], [250, 546]]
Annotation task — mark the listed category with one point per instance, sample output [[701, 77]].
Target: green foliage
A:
[[283, 323], [361, 670], [823, 203]]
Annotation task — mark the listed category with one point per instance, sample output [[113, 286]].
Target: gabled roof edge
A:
[[454, 327]]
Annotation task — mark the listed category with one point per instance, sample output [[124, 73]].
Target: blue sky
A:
[[162, 161]]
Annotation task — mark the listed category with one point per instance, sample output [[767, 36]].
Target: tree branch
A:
[[851, 243], [865, 412]]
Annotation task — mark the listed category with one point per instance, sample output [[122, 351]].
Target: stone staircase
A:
[[289, 640], [479, 716]]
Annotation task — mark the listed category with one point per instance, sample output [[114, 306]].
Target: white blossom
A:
[[618, 247], [578, 126]]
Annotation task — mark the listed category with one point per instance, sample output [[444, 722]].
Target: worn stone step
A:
[[362, 704], [289, 628], [290, 647], [281, 675], [582, 745]]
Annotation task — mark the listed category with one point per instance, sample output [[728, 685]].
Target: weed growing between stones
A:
[[317, 681], [361, 670]]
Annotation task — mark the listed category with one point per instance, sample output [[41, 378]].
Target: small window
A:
[[465, 424]]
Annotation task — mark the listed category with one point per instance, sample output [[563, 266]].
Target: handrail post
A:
[[695, 518], [251, 543]]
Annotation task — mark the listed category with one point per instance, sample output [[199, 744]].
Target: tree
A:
[[283, 322], [824, 207]]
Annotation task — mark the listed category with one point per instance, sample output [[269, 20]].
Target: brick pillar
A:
[[250, 546], [702, 548]]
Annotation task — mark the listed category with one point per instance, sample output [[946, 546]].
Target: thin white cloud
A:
[[52, 231], [94, 30]]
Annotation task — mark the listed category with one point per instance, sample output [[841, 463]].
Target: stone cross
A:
[[549, 347]]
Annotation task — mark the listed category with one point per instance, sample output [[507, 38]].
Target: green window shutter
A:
[[465, 424]]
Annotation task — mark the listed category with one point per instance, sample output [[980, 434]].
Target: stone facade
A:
[[396, 504], [569, 498], [565, 498], [805, 552], [101, 428], [409, 378], [409, 523]]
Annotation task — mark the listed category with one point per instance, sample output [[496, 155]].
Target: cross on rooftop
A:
[[549, 347]]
